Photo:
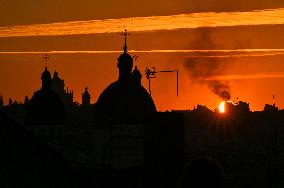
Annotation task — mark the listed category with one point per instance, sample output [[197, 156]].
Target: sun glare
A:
[[222, 107]]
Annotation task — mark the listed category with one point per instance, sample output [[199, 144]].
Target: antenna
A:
[[150, 73]]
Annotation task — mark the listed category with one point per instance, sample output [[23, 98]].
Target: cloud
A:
[[150, 23], [192, 53]]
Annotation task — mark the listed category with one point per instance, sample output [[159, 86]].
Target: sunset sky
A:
[[238, 44]]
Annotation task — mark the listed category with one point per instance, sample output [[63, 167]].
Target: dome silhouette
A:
[[136, 75], [125, 100], [45, 107], [125, 61], [124, 103], [46, 79]]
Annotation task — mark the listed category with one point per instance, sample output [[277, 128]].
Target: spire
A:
[[86, 92], [86, 97], [125, 34]]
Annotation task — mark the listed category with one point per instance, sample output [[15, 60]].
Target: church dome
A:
[[45, 107], [46, 79], [125, 61], [121, 103], [46, 75], [136, 75], [125, 100]]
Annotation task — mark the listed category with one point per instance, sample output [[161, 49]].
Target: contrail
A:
[[219, 53], [150, 23]]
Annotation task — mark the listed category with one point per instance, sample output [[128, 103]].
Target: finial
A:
[[125, 34], [45, 57]]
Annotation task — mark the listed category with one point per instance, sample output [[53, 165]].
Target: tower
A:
[[86, 98]]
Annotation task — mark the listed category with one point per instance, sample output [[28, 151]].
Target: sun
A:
[[222, 107]]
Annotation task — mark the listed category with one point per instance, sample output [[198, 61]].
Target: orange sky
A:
[[253, 75], [148, 23]]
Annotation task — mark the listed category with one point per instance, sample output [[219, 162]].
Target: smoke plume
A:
[[202, 69]]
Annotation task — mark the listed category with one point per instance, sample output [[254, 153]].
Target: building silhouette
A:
[[270, 108], [58, 85], [1, 101], [86, 98], [26, 161], [125, 100], [53, 139], [45, 107]]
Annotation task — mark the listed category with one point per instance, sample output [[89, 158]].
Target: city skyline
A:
[[134, 94], [248, 57]]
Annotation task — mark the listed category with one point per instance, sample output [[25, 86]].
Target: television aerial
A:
[[151, 73]]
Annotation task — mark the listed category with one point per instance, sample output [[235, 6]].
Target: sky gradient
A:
[[239, 43]]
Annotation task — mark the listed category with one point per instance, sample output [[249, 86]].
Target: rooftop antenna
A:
[[170, 71], [150, 73]]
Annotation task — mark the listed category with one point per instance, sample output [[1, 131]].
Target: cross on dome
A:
[[125, 34]]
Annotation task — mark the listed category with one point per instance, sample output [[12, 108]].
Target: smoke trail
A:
[[200, 69], [222, 89]]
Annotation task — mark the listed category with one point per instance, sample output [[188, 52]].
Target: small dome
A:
[[136, 75], [46, 75], [46, 79], [125, 61]]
